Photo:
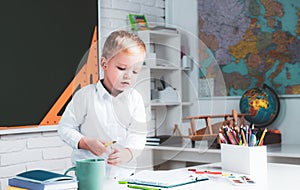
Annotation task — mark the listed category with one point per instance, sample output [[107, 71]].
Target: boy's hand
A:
[[94, 145], [119, 156]]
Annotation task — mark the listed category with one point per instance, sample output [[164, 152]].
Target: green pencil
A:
[[142, 187]]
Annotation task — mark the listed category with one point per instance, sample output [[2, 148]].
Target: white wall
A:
[[43, 149], [288, 120]]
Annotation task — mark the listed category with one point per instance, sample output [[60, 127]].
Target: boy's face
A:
[[121, 71]]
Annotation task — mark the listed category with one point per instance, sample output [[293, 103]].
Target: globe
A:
[[262, 104]]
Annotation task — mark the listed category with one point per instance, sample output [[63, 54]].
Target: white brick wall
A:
[[114, 13], [12, 146], [21, 157], [44, 142], [27, 151], [45, 150]]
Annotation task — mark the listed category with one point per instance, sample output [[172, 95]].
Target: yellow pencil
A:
[[14, 188], [109, 143], [262, 137]]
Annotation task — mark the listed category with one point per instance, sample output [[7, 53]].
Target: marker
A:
[[222, 138], [246, 133], [250, 136], [142, 187], [253, 140], [230, 137], [244, 138], [109, 143]]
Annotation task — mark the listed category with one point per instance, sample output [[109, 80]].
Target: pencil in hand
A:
[[109, 143]]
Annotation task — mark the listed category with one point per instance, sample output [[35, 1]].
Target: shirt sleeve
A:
[[137, 131], [69, 124]]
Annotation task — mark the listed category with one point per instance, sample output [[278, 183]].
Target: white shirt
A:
[[93, 112]]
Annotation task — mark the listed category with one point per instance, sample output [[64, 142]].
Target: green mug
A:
[[90, 173]]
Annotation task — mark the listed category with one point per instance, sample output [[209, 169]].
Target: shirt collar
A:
[[105, 94], [101, 90]]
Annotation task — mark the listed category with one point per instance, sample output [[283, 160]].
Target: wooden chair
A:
[[211, 131]]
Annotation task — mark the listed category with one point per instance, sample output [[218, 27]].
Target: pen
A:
[[142, 187], [109, 143]]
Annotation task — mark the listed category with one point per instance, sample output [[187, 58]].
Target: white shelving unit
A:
[[162, 69]]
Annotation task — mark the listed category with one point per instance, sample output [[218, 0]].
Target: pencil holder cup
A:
[[243, 159]]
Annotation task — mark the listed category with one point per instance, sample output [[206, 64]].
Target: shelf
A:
[[187, 103], [277, 153], [164, 33], [164, 68], [28, 129], [186, 68], [156, 103]]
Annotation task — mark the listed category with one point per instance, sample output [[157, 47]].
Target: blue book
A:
[[43, 180]]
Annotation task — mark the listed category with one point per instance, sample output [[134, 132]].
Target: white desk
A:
[[279, 177], [287, 154]]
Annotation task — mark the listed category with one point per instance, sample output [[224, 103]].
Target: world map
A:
[[253, 42]]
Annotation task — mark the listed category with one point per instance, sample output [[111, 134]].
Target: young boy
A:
[[110, 110]]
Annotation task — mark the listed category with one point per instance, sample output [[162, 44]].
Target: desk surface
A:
[[279, 176]]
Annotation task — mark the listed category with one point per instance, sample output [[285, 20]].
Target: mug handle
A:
[[70, 169]]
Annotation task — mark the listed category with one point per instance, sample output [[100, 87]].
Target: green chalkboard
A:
[[42, 44]]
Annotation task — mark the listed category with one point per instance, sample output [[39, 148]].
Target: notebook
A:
[[42, 176], [164, 178]]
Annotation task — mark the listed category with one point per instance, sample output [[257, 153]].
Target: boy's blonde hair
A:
[[122, 41]]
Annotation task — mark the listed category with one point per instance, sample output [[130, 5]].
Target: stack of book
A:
[[153, 141], [164, 140], [42, 180]]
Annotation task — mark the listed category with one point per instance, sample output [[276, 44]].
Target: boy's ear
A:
[[103, 63]]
